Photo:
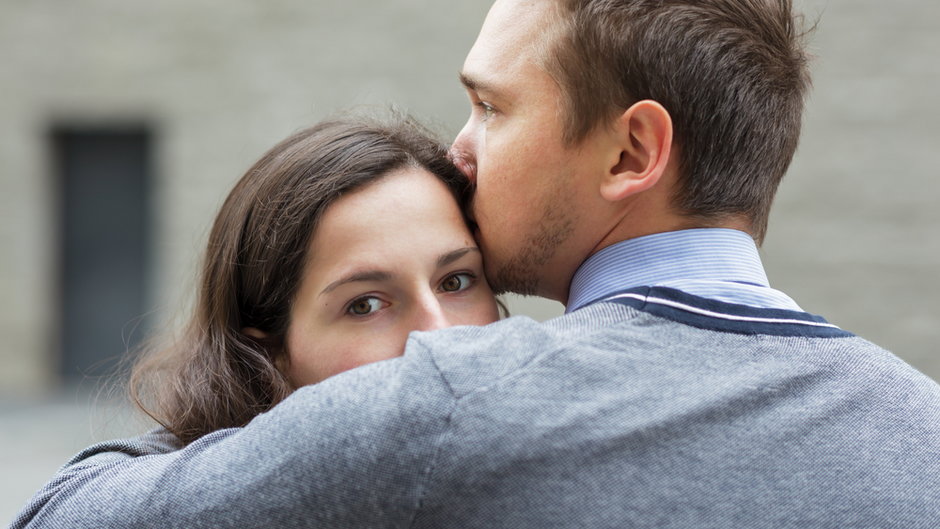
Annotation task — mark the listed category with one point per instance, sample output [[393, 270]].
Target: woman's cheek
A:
[[366, 350]]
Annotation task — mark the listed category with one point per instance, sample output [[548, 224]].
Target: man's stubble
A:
[[524, 271]]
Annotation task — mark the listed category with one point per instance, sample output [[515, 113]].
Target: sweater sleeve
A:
[[352, 451]]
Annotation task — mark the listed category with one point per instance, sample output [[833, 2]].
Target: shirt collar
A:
[[717, 263]]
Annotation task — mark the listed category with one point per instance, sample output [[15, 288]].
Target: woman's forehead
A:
[[407, 219]]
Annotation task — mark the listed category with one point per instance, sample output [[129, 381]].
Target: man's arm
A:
[[349, 452]]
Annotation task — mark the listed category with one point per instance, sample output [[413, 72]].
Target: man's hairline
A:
[[545, 48], [548, 62]]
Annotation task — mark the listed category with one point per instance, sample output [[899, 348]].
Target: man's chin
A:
[[478, 235], [510, 277]]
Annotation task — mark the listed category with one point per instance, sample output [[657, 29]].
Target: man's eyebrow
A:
[[474, 84], [454, 255], [369, 275]]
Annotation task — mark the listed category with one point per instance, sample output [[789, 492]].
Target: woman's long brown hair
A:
[[214, 376]]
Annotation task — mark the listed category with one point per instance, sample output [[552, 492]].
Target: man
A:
[[625, 156]]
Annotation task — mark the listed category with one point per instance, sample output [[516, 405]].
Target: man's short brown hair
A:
[[731, 73]]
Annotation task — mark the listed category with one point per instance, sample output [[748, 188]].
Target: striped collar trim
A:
[[724, 317], [710, 262]]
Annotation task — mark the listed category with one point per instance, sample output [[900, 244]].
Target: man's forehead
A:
[[514, 15], [513, 34]]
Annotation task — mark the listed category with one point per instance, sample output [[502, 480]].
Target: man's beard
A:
[[523, 272]]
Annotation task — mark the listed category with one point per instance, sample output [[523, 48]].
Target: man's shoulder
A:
[[637, 344], [474, 357], [156, 441]]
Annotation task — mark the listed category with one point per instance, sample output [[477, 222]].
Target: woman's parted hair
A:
[[733, 75], [214, 376]]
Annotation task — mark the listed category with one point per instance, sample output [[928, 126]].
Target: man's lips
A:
[[468, 168], [465, 164]]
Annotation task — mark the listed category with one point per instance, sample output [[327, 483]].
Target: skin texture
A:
[[513, 141], [393, 257], [542, 206]]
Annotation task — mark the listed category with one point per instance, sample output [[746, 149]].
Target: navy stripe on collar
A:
[[724, 317]]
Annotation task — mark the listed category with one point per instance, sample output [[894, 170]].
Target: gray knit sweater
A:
[[656, 409]]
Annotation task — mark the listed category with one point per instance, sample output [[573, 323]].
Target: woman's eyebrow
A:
[[379, 275], [451, 256], [369, 275]]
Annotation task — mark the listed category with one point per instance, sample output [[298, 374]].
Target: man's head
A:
[[694, 106]]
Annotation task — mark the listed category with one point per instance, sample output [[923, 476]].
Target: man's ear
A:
[[644, 137]]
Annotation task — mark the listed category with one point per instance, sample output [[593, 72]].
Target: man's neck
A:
[[720, 264]]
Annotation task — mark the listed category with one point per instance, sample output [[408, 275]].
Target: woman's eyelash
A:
[[367, 305], [364, 306], [471, 280]]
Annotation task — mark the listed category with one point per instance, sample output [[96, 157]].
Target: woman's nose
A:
[[430, 316]]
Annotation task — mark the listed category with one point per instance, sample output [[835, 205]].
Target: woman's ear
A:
[[278, 354], [255, 333], [644, 137]]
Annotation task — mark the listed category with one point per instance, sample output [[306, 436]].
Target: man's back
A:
[[654, 409], [686, 413]]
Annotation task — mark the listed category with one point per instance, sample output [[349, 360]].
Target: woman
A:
[[331, 249], [336, 244]]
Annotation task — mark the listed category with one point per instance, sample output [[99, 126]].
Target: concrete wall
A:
[[221, 82], [853, 236]]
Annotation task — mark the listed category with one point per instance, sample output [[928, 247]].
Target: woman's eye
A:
[[365, 306], [457, 282]]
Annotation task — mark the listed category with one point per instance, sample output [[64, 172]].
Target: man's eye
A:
[[365, 306], [487, 109], [457, 282]]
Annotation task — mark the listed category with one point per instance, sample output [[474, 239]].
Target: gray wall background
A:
[[853, 236], [855, 233]]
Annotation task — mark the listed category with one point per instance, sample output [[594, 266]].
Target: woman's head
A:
[[339, 241], [388, 258]]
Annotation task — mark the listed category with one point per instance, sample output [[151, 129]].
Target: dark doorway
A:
[[104, 179]]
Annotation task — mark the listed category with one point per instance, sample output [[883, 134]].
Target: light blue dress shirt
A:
[[713, 263]]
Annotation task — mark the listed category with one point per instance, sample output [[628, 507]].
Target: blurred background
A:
[[123, 124]]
